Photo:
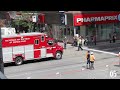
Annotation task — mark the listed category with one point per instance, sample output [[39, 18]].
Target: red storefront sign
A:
[[98, 18]]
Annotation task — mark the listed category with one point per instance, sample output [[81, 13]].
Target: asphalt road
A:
[[72, 66]]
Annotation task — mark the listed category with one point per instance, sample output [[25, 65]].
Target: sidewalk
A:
[[105, 47], [99, 44], [101, 47], [107, 42]]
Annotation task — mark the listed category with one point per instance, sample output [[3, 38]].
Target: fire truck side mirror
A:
[[46, 36], [50, 42]]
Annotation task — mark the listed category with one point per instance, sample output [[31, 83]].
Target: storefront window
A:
[[78, 30], [117, 29], [105, 29], [65, 31], [68, 31], [89, 30], [72, 31]]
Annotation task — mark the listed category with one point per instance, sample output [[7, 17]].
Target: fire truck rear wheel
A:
[[18, 61], [58, 55]]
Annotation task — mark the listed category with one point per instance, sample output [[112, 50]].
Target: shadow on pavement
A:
[[117, 65], [29, 61], [84, 66]]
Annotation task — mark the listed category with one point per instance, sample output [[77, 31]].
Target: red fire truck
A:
[[28, 46]]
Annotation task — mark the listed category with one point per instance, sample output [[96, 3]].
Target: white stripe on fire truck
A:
[[22, 51]]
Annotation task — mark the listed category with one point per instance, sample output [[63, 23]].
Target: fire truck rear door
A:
[[43, 46], [43, 52]]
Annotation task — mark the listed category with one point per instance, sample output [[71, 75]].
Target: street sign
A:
[[34, 18]]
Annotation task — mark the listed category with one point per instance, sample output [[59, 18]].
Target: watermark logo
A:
[[113, 74]]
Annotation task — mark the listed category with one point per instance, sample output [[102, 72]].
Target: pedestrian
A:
[[92, 59], [73, 44], [119, 57], [110, 37], [86, 41], [91, 40], [94, 39], [88, 59], [65, 42], [74, 41], [114, 37], [80, 43]]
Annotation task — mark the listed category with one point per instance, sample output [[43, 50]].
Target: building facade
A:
[[84, 23], [56, 27], [101, 24]]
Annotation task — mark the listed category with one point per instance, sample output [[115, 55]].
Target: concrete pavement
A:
[[72, 66], [67, 68], [101, 47]]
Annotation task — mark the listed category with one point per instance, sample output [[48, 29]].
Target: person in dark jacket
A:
[[110, 37], [65, 42], [114, 38], [88, 59]]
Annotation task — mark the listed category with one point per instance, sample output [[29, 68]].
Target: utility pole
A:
[[1, 55]]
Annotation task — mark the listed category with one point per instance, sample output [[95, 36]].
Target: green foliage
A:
[[20, 23]]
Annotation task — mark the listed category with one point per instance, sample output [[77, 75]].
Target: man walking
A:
[[94, 39], [114, 38], [88, 59], [65, 42], [110, 37], [80, 43]]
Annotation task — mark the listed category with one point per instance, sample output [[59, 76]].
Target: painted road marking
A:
[[85, 48]]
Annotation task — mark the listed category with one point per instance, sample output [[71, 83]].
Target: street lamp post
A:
[[63, 17], [95, 33], [1, 55]]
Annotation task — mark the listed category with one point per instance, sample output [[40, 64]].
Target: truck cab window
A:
[[42, 39], [36, 41]]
